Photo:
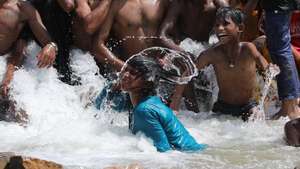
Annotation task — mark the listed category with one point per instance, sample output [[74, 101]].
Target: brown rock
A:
[[19, 162], [4, 159], [131, 166]]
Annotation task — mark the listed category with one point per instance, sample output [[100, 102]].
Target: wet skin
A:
[[234, 63], [90, 15], [193, 19], [129, 18], [13, 15]]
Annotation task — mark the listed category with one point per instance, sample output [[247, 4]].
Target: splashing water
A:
[[271, 72], [64, 130], [171, 60]]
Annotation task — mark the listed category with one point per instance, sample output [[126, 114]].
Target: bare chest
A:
[[141, 12], [241, 69], [10, 20]]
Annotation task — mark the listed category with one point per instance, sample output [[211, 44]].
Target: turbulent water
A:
[[63, 128]]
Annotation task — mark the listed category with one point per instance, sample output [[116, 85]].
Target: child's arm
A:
[[13, 62], [261, 62], [169, 24], [101, 52], [203, 60]]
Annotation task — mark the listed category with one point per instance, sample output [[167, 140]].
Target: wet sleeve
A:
[[177, 135], [147, 122]]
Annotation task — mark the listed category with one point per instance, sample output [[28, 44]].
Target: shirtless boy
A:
[[193, 19], [129, 18], [235, 66]]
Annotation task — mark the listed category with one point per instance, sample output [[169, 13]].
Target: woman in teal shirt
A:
[[151, 116]]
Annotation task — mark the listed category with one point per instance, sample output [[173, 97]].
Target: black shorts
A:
[[234, 110]]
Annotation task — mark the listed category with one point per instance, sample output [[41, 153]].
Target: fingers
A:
[[42, 60], [46, 57]]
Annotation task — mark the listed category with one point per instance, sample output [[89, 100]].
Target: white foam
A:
[[62, 129]]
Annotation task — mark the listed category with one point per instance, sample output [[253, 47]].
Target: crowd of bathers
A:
[[254, 36]]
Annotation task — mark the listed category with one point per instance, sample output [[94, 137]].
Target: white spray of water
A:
[[64, 130]]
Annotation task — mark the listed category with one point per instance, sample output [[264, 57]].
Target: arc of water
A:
[[171, 56], [271, 72]]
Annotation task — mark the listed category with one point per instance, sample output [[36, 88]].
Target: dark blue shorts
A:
[[279, 44]]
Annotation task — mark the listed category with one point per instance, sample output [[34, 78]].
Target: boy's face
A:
[[226, 29]]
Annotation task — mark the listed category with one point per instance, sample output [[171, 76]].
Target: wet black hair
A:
[[150, 70], [236, 15]]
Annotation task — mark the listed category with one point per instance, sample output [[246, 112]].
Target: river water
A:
[[62, 128]]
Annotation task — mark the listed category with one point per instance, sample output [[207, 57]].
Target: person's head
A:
[[140, 74], [229, 23], [292, 132]]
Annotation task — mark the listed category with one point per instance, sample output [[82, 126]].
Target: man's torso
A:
[[10, 25], [136, 21]]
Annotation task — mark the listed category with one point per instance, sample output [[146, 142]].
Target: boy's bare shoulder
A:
[[249, 47], [214, 49]]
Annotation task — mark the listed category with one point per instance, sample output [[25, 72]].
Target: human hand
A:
[[46, 56], [257, 113]]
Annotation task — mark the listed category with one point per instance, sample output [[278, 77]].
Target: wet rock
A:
[[131, 166], [4, 159], [18, 162]]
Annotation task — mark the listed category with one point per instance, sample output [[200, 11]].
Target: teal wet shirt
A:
[[157, 121]]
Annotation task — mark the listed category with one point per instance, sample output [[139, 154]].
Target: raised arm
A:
[[13, 62], [48, 53], [100, 50], [169, 24]]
